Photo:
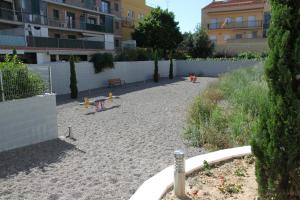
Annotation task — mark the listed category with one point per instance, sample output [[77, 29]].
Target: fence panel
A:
[[22, 83]]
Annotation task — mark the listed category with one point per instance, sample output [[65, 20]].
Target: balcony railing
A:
[[235, 25], [23, 17], [18, 16], [84, 4], [46, 42]]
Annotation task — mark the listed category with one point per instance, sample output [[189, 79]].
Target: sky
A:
[[187, 12]]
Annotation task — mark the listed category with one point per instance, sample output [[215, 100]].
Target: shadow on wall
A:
[[40, 155], [117, 91]]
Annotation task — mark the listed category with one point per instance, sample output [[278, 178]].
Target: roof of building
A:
[[231, 3]]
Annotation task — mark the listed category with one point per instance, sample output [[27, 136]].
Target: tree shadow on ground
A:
[[118, 90], [39, 155]]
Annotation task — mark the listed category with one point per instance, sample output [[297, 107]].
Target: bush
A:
[[134, 55], [226, 113], [18, 81], [102, 62], [276, 141]]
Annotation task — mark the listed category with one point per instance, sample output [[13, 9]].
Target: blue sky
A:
[[188, 12]]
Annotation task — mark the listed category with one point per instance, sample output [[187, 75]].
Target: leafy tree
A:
[[202, 46], [187, 42], [159, 31], [171, 73], [276, 143], [73, 79]]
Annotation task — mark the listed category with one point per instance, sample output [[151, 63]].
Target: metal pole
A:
[[50, 79], [2, 87], [179, 174]]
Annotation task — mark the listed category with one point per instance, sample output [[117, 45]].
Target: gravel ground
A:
[[115, 151]]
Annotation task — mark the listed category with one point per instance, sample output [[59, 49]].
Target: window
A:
[[105, 6], [91, 20], [213, 38], [239, 21], [239, 36], [72, 36], [117, 25], [227, 37], [55, 14], [130, 14], [117, 43], [117, 7], [56, 35], [251, 21], [213, 24]]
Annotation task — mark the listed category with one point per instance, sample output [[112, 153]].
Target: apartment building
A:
[[51, 30], [237, 25], [132, 12]]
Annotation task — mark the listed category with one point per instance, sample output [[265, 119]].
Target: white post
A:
[[179, 174], [2, 87], [50, 79]]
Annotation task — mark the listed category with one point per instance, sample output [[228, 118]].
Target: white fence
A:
[[27, 121], [133, 72], [130, 72]]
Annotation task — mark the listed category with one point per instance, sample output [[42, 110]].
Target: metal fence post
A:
[[2, 87], [179, 174], [50, 79]]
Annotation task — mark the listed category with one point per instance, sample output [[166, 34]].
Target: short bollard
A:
[[179, 174], [70, 133]]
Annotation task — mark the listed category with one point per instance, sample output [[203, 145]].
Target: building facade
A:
[[237, 25], [51, 30], [132, 12]]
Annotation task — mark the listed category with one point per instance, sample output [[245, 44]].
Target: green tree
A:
[[276, 142], [158, 31], [73, 79], [202, 47]]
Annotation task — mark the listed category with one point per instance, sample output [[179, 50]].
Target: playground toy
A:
[[193, 78], [99, 103]]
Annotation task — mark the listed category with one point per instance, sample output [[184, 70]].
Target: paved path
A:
[[115, 151]]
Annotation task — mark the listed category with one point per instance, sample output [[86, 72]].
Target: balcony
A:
[[82, 4], [107, 28], [22, 17], [45, 42], [235, 25]]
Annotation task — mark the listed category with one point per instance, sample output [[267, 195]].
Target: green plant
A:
[[207, 169], [276, 141], [241, 171], [102, 61], [18, 81], [73, 79], [226, 113], [155, 75], [134, 55], [171, 75]]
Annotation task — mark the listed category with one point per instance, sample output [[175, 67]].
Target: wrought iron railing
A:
[[234, 25]]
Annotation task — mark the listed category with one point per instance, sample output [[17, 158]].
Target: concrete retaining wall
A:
[[27, 121]]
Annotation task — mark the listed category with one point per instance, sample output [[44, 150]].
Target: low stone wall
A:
[[27, 121]]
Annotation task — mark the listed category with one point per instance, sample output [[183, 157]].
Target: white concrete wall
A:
[[43, 58], [130, 72], [27, 121], [211, 67]]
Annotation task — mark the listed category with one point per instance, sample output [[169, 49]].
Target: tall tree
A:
[[73, 79], [276, 143], [202, 46], [158, 31]]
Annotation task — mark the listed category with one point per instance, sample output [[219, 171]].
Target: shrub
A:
[[18, 81], [276, 141], [225, 114], [102, 62], [73, 79], [134, 55]]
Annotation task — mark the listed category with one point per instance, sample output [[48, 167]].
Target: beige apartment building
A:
[[237, 25]]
